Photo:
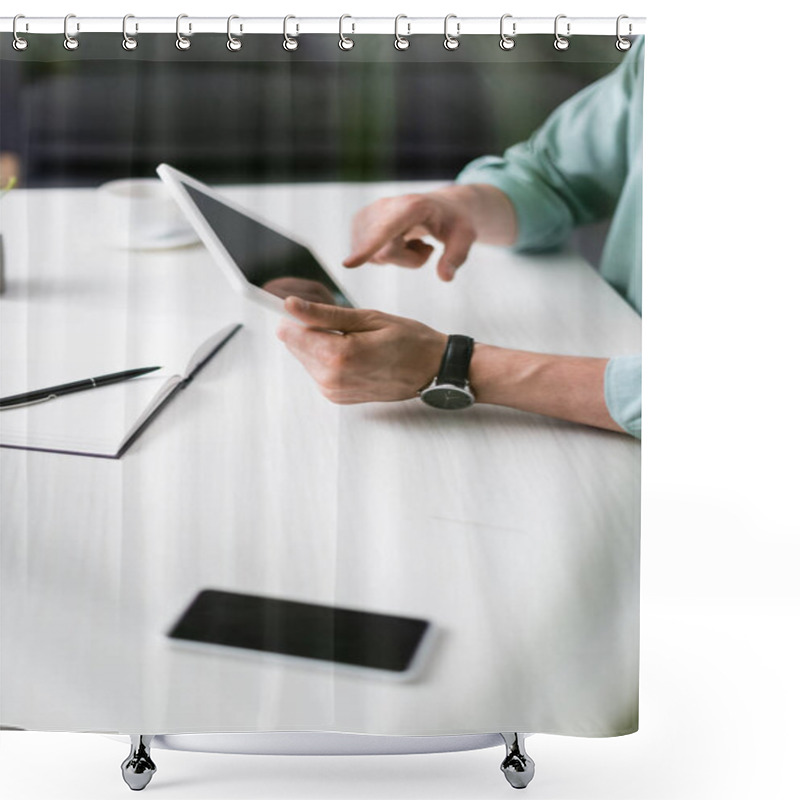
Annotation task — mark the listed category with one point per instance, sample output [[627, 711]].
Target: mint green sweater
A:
[[584, 165]]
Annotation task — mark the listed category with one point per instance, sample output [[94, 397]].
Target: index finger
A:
[[396, 222]]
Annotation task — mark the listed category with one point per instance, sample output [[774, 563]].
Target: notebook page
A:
[[49, 346]]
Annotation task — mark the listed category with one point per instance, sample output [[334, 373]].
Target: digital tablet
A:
[[259, 260]]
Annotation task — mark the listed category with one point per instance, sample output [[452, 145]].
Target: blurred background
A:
[[264, 115]]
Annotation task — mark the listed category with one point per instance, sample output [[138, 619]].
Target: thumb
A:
[[332, 318]]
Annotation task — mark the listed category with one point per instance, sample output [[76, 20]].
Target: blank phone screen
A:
[[326, 633]]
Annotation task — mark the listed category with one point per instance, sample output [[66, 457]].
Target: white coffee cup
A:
[[140, 214]]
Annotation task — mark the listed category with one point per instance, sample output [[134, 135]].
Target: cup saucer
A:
[[165, 241]]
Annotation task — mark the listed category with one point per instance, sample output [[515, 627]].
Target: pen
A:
[[51, 392]]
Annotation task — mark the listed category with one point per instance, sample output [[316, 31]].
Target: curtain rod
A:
[[348, 25]]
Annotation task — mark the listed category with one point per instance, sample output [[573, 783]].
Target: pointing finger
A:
[[400, 215]]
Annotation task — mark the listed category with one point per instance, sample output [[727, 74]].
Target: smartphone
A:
[[389, 644]]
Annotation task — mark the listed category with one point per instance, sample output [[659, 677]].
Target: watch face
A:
[[448, 397]]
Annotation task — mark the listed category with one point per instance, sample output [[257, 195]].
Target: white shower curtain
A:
[[507, 532]]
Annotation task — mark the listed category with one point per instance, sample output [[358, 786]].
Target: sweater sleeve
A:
[[572, 169], [623, 392]]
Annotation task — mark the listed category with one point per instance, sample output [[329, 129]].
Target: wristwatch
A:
[[450, 389]]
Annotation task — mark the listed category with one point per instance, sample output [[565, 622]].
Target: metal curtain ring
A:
[[19, 43], [70, 42], [400, 42], [128, 42], [507, 42], [234, 43], [181, 42], [622, 43], [560, 42], [344, 42], [451, 42], [288, 42]]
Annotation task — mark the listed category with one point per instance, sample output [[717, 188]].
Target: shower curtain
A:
[[279, 547]]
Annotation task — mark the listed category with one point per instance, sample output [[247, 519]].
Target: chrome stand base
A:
[[517, 766], [138, 768]]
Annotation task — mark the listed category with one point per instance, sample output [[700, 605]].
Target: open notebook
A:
[[100, 422]]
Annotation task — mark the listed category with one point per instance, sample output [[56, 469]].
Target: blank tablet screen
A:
[[267, 259]]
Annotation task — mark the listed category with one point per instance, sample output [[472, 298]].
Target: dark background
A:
[[264, 115]]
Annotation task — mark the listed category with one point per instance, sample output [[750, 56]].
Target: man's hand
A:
[[390, 230], [381, 357], [376, 357]]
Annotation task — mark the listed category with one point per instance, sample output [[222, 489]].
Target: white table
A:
[[516, 535]]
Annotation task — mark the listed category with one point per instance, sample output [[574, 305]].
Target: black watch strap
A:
[[454, 368]]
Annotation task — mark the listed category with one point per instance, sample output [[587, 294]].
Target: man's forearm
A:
[[567, 387], [382, 357]]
